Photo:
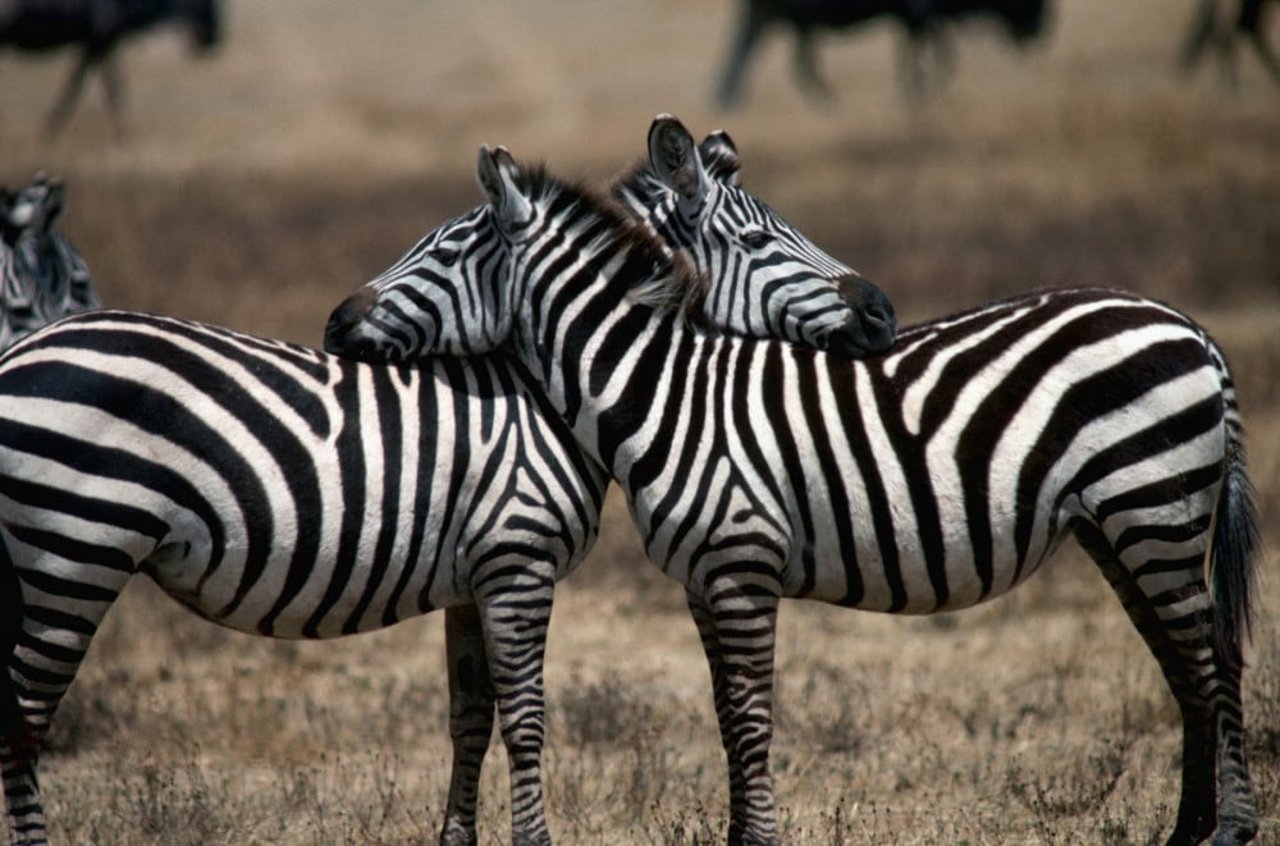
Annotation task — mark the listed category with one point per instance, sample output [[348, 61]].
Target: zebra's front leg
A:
[[702, 618], [738, 618], [471, 701], [515, 615]]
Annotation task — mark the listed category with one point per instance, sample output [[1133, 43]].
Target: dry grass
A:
[[258, 188]]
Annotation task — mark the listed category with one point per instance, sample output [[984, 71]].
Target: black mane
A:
[[674, 283]]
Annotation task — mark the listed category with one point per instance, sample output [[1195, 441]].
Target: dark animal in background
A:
[[97, 27], [923, 21], [42, 277], [1214, 23]]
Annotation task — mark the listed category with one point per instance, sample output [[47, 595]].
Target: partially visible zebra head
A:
[[766, 279], [401, 314], [457, 291], [44, 278]]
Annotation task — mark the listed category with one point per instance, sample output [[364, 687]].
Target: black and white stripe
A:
[[280, 491], [283, 492], [934, 477], [758, 265], [756, 275], [43, 276]]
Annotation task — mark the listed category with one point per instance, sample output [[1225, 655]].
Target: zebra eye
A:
[[757, 239], [446, 256]]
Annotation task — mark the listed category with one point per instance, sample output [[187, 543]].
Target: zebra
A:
[[936, 476], [97, 27], [281, 491], [44, 278]]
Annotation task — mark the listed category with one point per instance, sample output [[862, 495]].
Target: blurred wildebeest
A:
[[923, 21], [42, 277], [1214, 23], [97, 27]]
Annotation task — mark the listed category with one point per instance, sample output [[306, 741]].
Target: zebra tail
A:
[[1233, 557]]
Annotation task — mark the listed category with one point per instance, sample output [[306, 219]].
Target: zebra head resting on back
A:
[[44, 277], [283, 492], [764, 269], [932, 478], [757, 276]]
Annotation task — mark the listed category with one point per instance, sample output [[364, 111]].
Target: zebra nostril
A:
[[874, 315], [349, 313], [873, 327]]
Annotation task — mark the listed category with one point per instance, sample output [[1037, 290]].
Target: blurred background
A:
[[257, 187], [320, 138]]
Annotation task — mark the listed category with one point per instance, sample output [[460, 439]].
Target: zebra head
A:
[[44, 277], [415, 307], [764, 278], [32, 211], [456, 291]]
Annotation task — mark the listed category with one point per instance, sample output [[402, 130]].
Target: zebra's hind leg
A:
[[515, 611], [1169, 603], [471, 701], [19, 747], [737, 622], [27, 824], [53, 609]]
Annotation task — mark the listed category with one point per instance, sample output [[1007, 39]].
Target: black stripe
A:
[[1103, 393], [391, 422], [91, 509], [773, 382], [354, 474], [620, 421], [837, 494]]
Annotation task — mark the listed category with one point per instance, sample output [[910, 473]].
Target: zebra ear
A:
[[497, 173], [675, 160], [720, 157]]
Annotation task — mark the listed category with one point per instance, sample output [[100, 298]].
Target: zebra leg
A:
[[1174, 616], [18, 745], [739, 618], [22, 794], [471, 702], [719, 686], [515, 618], [54, 609]]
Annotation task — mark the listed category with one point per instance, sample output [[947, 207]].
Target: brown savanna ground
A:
[[258, 188]]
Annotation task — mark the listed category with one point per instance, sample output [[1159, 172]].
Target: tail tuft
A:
[[1233, 560]]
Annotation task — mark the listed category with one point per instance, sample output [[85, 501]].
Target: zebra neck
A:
[[593, 343]]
